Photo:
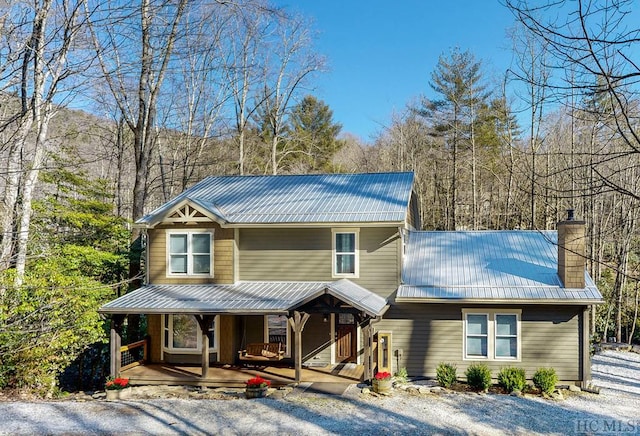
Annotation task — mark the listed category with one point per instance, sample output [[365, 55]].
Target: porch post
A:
[[204, 321], [297, 323], [368, 355], [586, 349], [115, 343]]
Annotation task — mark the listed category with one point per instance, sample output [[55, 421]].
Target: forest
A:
[[108, 109]]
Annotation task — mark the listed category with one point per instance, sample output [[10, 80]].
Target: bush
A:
[[402, 376], [512, 379], [446, 374], [545, 379], [479, 376]]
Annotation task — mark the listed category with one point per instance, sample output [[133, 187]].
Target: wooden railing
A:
[[133, 354]]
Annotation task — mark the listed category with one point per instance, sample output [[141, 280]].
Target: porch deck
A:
[[236, 376]]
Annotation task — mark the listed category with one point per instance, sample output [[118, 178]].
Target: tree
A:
[[313, 135], [458, 80]]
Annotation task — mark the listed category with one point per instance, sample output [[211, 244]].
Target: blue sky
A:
[[380, 54]]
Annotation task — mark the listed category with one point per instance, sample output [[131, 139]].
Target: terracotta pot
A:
[[256, 392], [382, 386], [119, 394]]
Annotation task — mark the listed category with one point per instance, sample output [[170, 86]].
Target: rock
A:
[[516, 393], [557, 396], [365, 391], [436, 389], [413, 391], [574, 388], [424, 390]]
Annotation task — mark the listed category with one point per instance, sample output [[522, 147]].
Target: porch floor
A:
[[236, 376]]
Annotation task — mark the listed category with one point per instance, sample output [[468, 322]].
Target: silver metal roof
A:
[[487, 266], [241, 298], [320, 198]]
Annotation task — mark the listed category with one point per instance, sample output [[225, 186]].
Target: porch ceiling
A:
[[241, 298]]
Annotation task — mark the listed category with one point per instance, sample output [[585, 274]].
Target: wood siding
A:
[[222, 255], [306, 255], [154, 331], [429, 334]]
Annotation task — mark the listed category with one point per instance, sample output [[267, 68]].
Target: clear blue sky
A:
[[381, 53]]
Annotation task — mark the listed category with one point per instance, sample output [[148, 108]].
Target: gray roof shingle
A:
[[487, 266], [318, 198]]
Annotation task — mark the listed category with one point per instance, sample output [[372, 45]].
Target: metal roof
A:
[[318, 198], [241, 298], [487, 266]]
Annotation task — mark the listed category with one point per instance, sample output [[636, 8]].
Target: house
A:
[[332, 268]]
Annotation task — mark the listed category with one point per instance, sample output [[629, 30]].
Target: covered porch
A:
[[237, 375], [297, 301]]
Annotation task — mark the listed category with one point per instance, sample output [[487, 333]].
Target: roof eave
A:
[[486, 301]]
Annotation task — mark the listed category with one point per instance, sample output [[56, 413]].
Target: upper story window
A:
[[345, 253], [190, 253], [492, 334]]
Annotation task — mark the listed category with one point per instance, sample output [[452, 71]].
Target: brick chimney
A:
[[571, 249]]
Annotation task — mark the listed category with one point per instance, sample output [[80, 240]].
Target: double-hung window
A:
[[345, 253], [183, 334], [190, 253], [276, 330], [491, 334]]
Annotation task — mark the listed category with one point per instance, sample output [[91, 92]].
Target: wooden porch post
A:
[[204, 321], [115, 343], [586, 349], [368, 355], [297, 322]]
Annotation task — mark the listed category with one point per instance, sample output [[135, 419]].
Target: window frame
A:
[[167, 336], [492, 334], [288, 328], [190, 254], [335, 253]]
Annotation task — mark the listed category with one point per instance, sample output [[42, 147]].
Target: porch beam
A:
[[297, 322], [115, 343], [204, 321]]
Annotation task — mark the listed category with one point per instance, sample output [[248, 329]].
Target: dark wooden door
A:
[[346, 338]]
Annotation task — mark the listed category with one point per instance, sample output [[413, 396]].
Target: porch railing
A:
[[133, 354]]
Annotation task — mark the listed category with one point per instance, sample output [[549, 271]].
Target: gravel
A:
[[406, 411]]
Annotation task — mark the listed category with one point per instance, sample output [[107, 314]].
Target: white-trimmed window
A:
[[491, 334], [182, 334], [190, 253], [276, 329], [345, 253]]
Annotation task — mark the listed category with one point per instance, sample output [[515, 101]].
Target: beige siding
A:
[[222, 256], [316, 341], [305, 255], [432, 333]]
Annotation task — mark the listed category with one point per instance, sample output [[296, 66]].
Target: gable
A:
[[185, 212]]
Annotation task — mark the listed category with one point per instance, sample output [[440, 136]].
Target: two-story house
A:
[[333, 268]]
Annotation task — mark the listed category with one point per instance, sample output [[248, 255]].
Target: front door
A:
[[346, 337]]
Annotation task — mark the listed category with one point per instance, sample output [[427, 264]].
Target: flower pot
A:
[[119, 394], [382, 386], [256, 392]]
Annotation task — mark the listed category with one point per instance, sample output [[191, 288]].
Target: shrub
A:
[[446, 374], [512, 379], [545, 379], [478, 376], [401, 375]]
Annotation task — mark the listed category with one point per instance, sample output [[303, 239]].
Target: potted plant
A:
[[382, 382], [117, 388], [257, 387]]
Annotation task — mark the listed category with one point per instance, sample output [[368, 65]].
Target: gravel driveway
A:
[[615, 410]]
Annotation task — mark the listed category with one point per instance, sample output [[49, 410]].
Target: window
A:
[[182, 334], [276, 330], [491, 334], [477, 335], [190, 253], [345, 253], [506, 336]]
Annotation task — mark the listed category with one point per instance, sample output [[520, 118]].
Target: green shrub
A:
[[446, 374], [478, 376], [545, 379], [512, 379], [401, 375]]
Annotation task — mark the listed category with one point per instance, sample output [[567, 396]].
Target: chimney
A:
[[571, 249]]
